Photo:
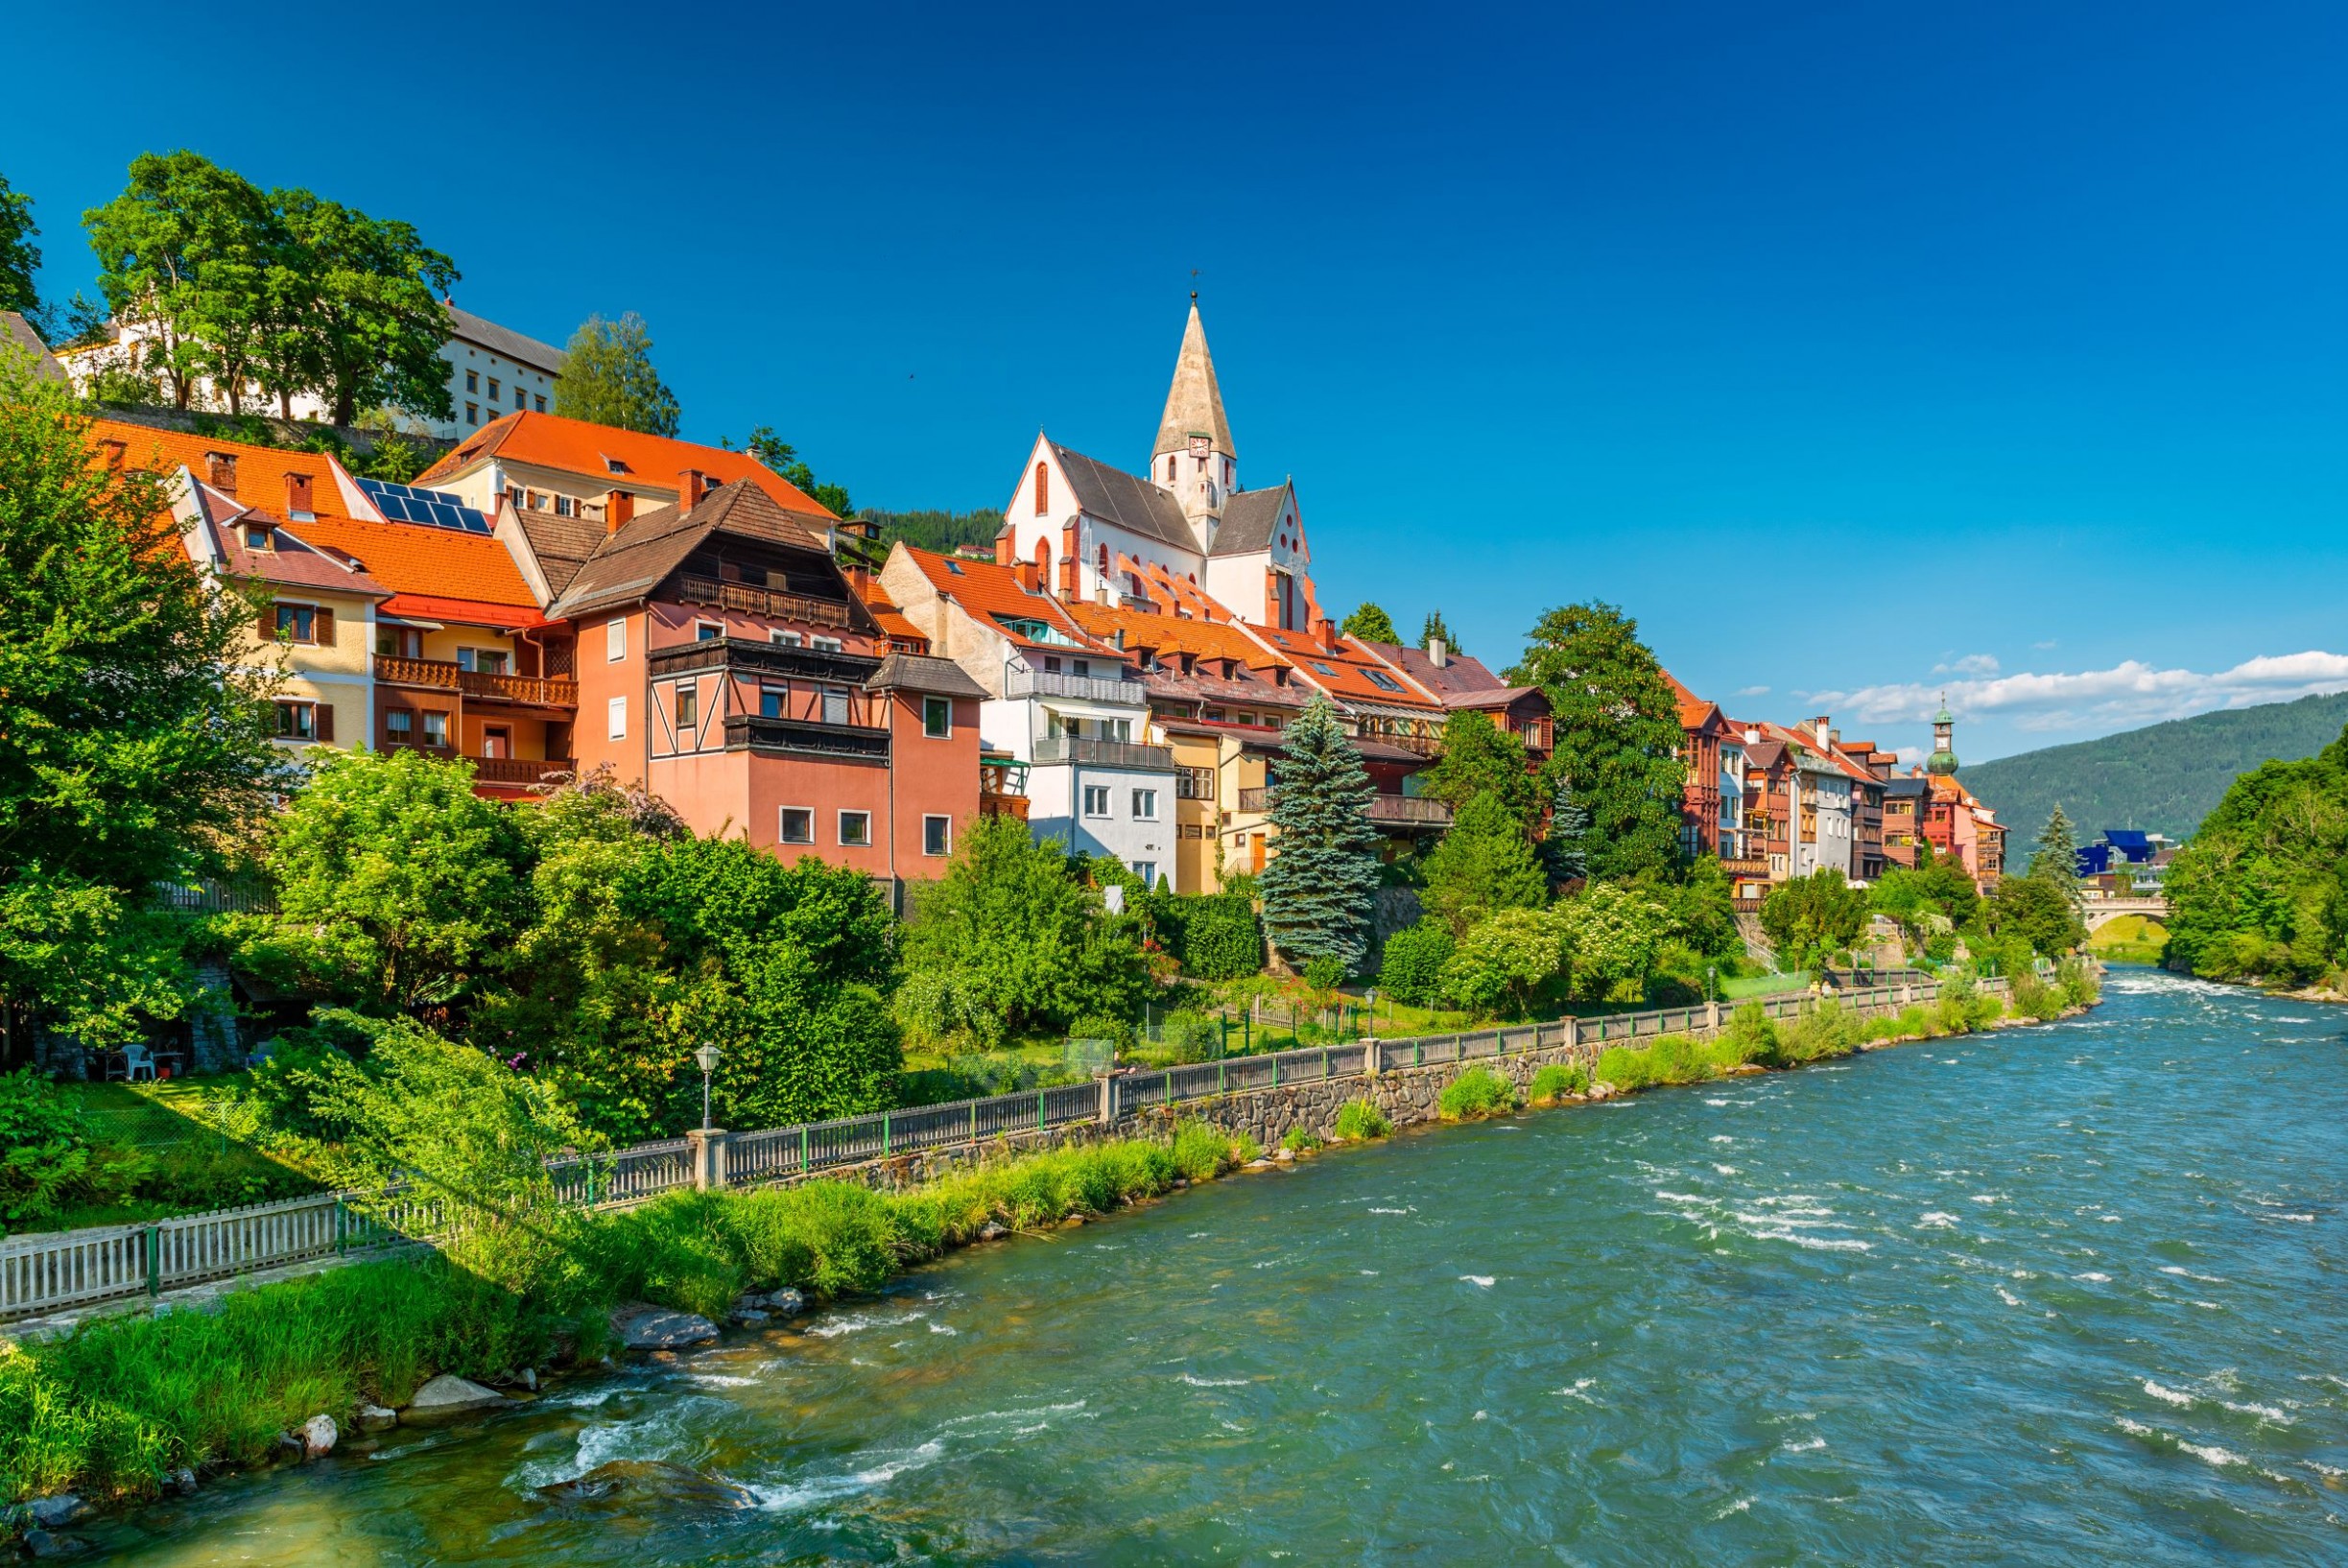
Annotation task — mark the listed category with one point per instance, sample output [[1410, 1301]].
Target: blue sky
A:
[[1856, 350]]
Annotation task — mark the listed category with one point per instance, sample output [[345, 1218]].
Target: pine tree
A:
[[1566, 848], [1320, 888], [1434, 628], [2056, 857], [1371, 624]]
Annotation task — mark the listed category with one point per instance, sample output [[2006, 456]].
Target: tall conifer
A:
[[1320, 888]]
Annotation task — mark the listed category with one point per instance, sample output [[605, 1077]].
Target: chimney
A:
[[1003, 549], [220, 471], [1752, 736], [1834, 737], [619, 510], [860, 578], [1324, 632], [1119, 635], [1437, 655], [691, 486], [1029, 575], [116, 453], [298, 497]]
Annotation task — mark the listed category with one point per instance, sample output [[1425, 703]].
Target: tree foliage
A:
[[784, 459], [1482, 866], [1010, 942], [1220, 937], [1482, 758], [1320, 890], [133, 735], [1371, 624], [2055, 858], [1412, 966], [1617, 733], [19, 256], [1612, 932], [2261, 890], [1507, 957], [609, 379], [2038, 910], [1811, 918], [1566, 844], [1433, 628]]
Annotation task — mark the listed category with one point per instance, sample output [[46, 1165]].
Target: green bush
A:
[[1220, 937], [1360, 1119], [1478, 1092], [2082, 987], [2034, 998], [1300, 1141], [1412, 970], [1555, 1081], [1751, 1033], [1324, 972], [1200, 1150], [1190, 1036], [1244, 1150], [1096, 1026], [1827, 1030]]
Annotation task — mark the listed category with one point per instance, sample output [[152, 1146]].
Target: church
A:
[[1097, 534]]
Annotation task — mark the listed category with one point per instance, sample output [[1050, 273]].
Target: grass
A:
[[1554, 1082], [122, 1402], [1740, 987], [1478, 1092], [2129, 938], [181, 1159], [1359, 1120]]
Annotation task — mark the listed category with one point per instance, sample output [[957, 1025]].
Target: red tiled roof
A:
[[574, 446], [1692, 709], [440, 563], [260, 470], [993, 592], [893, 620], [1344, 671]]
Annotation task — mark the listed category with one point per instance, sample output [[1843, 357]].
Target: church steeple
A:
[[1194, 456], [1943, 760]]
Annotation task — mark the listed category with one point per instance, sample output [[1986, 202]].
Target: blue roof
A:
[[2128, 838]]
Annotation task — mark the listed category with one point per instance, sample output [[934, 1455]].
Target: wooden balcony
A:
[[995, 804], [751, 599], [505, 771], [445, 675], [1386, 810], [748, 655], [806, 738]]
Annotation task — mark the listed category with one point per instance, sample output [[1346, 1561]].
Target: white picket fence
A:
[[50, 1272]]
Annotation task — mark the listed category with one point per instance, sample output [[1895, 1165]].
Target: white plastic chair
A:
[[137, 1060]]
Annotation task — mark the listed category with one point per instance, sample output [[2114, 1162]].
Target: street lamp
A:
[[707, 1058], [1712, 972]]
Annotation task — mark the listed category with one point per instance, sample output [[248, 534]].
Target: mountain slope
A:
[[2164, 780]]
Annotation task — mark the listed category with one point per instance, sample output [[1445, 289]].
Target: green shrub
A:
[[1751, 1033], [1827, 1030], [2035, 999], [1412, 968], [1191, 1036], [1300, 1141], [1220, 937], [1244, 1150], [1555, 1081], [48, 1159], [1200, 1150], [2082, 987], [1324, 972], [1624, 1068], [1360, 1119], [1097, 1026], [1478, 1092]]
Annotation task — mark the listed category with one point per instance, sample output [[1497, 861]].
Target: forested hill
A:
[[2164, 780], [938, 531]]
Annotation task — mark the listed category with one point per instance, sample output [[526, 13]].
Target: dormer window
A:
[[615, 465], [256, 536]]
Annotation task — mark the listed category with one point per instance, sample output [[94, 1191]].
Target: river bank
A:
[[848, 1247]]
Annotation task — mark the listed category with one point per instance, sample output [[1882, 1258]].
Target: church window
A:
[[1043, 490], [1103, 558], [1170, 467]]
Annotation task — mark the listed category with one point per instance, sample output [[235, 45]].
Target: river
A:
[[2059, 1295]]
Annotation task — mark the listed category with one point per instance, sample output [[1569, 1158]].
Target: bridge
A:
[[2100, 912]]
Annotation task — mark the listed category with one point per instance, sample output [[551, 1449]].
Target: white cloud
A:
[[2042, 647], [2132, 692], [1908, 755], [1753, 690], [1972, 664]]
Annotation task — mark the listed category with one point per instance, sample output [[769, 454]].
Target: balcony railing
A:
[[752, 599], [1745, 866], [763, 659], [446, 676], [1020, 683], [806, 737], [1053, 748], [495, 769], [1392, 810]]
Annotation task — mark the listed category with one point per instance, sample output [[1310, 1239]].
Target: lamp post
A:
[[1712, 972], [707, 1058]]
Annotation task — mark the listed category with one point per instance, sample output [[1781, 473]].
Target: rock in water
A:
[[449, 1394], [992, 1231], [318, 1436], [375, 1418], [43, 1543], [786, 1303], [641, 1327], [49, 1513], [630, 1483]]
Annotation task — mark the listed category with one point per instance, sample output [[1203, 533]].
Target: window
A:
[[771, 703], [856, 829], [1170, 467], [256, 536], [1214, 716], [435, 729], [487, 661], [615, 641], [472, 381], [707, 631], [798, 825], [518, 400], [1145, 805], [825, 645], [1194, 783], [472, 413], [538, 404], [297, 721], [565, 506], [1052, 665], [1323, 668], [688, 707], [1382, 681], [938, 835], [1043, 490], [493, 389], [835, 705], [936, 717], [615, 718], [496, 741], [1096, 800], [299, 622], [788, 639], [1084, 668], [399, 726], [1148, 871]]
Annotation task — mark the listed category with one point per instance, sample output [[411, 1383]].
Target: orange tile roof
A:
[[468, 576], [885, 611], [1692, 707], [991, 592], [260, 470], [574, 446], [1170, 634], [1344, 672]]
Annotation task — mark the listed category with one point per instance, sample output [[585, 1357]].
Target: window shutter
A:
[[323, 628], [325, 711], [269, 623]]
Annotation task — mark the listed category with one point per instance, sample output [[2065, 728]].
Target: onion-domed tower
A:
[[1943, 760]]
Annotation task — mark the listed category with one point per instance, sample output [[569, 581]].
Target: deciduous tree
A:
[[1321, 888], [1507, 957], [609, 379], [363, 312], [1482, 758], [1617, 735], [1482, 866], [1371, 624], [1809, 918], [784, 459], [1611, 934], [19, 256], [2038, 910]]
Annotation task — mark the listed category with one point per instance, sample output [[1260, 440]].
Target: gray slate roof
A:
[[1115, 496], [1248, 519], [505, 340], [561, 544], [631, 563], [17, 333], [920, 672]]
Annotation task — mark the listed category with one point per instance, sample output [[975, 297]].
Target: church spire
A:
[[1194, 404]]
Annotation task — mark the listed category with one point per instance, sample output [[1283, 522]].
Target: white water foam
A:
[[1935, 1220], [857, 1321], [1481, 1281], [2183, 1401], [1197, 1382], [2188, 1273], [1393, 1211], [2094, 1279], [1804, 1448], [818, 1490]]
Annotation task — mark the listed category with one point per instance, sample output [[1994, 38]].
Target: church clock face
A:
[[1200, 445]]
